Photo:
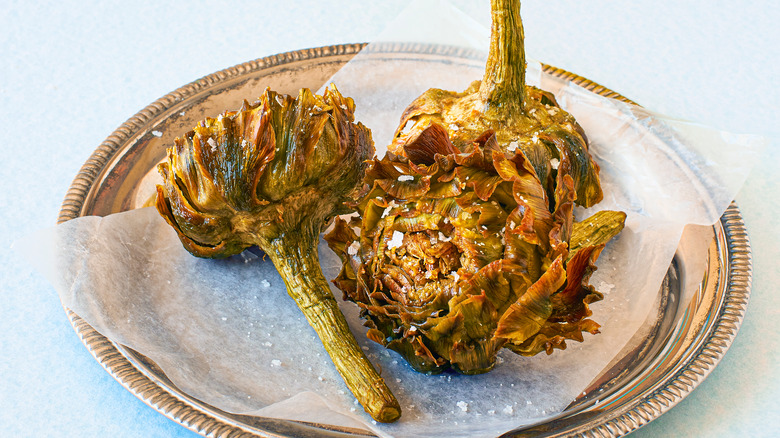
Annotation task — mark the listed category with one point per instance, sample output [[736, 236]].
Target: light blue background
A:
[[73, 71]]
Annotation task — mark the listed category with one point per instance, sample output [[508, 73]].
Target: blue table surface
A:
[[73, 71]]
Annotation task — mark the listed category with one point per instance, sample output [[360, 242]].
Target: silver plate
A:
[[674, 352]]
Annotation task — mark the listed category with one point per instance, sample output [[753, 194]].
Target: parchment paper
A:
[[225, 331]]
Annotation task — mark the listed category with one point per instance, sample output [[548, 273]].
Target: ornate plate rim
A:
[[668, 393]]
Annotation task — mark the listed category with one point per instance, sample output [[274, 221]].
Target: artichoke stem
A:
[[296, 259], [503, 86]]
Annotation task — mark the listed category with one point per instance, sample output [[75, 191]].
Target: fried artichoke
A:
[[458, 256], [466, 241], [272, 174]]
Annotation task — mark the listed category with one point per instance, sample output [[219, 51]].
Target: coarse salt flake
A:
[[353, 249], [463, 406], [157, 133], [407, 127], [508, 410], [555, 163], [405, 178], [396, 241], [276, 363], [512, 146], [212, 143]]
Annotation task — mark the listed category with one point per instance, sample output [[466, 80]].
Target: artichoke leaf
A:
[[529, 313], [597, 229]]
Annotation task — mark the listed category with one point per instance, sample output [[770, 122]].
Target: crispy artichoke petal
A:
[[530, 312]]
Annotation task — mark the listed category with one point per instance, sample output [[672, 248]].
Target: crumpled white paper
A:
[[225, 331]]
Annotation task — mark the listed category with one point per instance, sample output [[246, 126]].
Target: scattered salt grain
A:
[[555, 163], [157, 133], [405, 178], [268, 344], [508, 410], [276, 363], [444, 238], [212, 143], [265, 283], [512, 146], [224, 318], [605, 287], [463, 406]]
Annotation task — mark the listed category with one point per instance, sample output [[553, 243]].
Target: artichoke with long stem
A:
[[467, 241], [272, 174]]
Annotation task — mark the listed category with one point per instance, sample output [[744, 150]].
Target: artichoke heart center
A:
[[423, 266]]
